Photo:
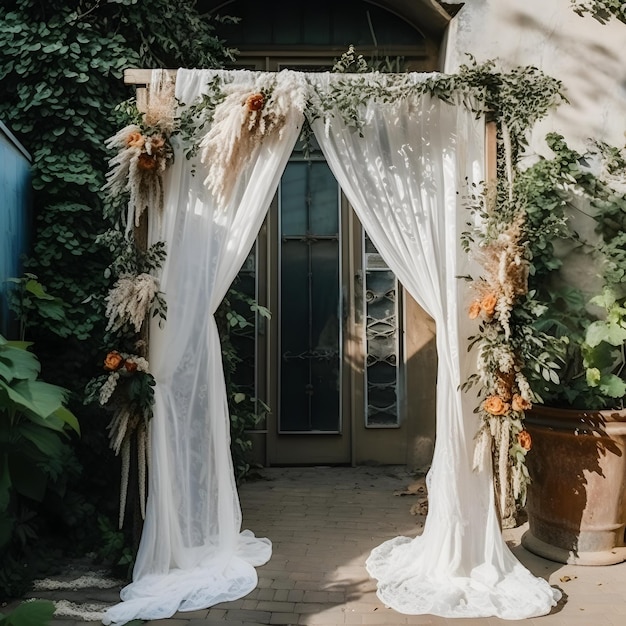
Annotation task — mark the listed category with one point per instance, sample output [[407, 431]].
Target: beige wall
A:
[[588, 57]]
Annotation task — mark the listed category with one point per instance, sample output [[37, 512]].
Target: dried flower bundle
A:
[[505, 276], [131, 417], [240, 122], [130, 299]]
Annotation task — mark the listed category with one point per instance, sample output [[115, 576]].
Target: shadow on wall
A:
[[586, 56]]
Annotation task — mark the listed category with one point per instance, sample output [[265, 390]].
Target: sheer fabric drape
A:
[[405, 174], [192, 553]]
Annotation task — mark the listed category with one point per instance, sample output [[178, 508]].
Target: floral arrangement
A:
[[503, 257], [144, 153], [127, 390], [239, 123]]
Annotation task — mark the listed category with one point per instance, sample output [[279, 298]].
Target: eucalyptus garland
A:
[[224, 125]]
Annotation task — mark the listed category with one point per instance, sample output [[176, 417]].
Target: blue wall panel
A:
[[15, 200]]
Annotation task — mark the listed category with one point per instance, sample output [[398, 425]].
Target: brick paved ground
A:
[[323, 522]]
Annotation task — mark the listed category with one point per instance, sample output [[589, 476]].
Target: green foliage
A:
[[574, 353], [34, 434], [35, 613], [114, 548], [601, 10], [61, 66]]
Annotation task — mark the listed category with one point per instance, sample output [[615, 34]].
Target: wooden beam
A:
[[136, 76]]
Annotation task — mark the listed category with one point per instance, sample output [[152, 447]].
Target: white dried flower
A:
[[130, 300], [107, 389]]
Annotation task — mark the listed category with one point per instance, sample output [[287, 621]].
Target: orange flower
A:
[[496, 405], [113, 361], [488, 304], [474, 310], [525, 440], [146, 162], [130, 366], [255, 102], [520, 404], [135, 140]]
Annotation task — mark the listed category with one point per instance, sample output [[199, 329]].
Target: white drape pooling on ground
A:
[[404, 173], [192, 553]]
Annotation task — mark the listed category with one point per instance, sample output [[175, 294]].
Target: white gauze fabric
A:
[[192, 553], [404, 174]]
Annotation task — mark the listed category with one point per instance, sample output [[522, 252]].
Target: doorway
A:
[[308, 381]]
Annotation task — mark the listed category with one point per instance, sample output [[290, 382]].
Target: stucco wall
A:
[[588, 57]]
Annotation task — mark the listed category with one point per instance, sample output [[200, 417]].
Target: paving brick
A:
[[248, 616], [188, 615], [275, 606], [284, 618], [324, 522], [295, 595], [282, 595]]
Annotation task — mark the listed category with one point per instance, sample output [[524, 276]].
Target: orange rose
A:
[[146, 162], [255, 102], [474, 310], [525, 440], [520, 404], [135, 140], [130, 366], [113, 361], [496, 405], [488, 304]]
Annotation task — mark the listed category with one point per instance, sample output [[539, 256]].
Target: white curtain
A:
[[405, 175], [192, 553]]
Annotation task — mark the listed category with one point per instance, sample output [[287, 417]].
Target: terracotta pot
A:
[[576, 500]]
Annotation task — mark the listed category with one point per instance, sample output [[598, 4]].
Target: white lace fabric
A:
[[405, 175]]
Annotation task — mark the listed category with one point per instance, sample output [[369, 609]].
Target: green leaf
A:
[[37, 396], [37, 289], [600, 331], [24, 364], [35, 613], [613, 386], [47, 441], [67, 417], [593, 376]]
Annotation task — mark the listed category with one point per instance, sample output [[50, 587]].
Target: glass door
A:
[[309, 421]]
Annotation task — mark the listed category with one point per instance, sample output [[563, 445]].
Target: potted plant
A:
[[574, 320]]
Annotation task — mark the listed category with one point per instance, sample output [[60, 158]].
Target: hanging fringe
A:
[[508, 158], [141, 467], [503, 465], [482, 449], [124, 479]]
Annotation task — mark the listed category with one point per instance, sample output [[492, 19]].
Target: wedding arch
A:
[[203, 161]]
